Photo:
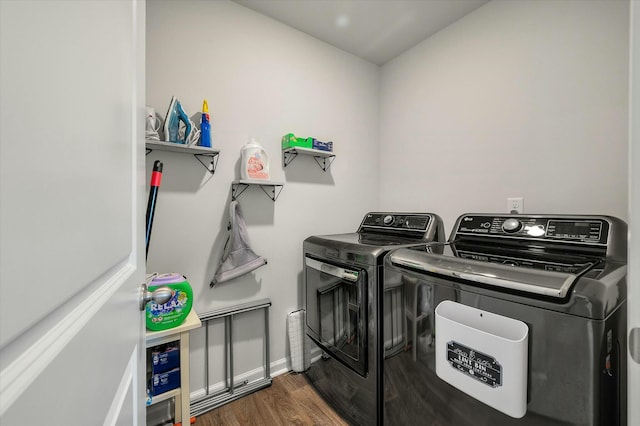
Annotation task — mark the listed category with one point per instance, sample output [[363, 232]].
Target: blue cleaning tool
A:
[[176, 114]]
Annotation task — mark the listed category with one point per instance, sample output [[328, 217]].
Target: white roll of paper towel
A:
[[299, 347]]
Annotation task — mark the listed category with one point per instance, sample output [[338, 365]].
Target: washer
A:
[[560, 280], [343, 285]]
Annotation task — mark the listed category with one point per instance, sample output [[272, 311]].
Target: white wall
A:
[[261, 79], [518, 98]]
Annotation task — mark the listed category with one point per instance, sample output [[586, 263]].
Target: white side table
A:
[[181, 334]]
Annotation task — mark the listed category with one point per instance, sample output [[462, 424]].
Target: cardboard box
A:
[[322, 146], [291, 141], [165, 359], [164, 382]]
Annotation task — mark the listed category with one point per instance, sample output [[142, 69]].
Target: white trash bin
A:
[[299, 347], [484, 355]]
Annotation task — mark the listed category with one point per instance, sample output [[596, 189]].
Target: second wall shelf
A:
[[199, 152], [239, 186], [323, 158]]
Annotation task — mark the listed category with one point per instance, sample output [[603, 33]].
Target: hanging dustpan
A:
[[238, 258]]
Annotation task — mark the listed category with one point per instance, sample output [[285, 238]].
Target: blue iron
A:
[[175, 115]]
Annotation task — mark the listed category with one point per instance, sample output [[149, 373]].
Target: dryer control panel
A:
[[415, 222], [412, 225]]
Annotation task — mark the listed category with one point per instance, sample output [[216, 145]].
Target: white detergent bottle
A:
[[254, 162]]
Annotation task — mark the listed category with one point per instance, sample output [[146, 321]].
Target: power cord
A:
[[152, 128], [193, 137]]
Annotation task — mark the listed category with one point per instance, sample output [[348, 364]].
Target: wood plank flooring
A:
[[290, 400]]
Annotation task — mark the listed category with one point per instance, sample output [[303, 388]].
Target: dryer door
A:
[[335, 298]]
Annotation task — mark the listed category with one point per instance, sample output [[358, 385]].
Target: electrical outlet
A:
[[515, 205]]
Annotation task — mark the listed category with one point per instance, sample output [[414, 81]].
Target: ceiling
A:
[[374, 30]]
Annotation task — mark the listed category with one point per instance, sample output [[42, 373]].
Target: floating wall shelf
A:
[[199, 152], [323, 158], [239, 186]]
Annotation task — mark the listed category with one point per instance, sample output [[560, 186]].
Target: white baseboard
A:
[[277, 368]]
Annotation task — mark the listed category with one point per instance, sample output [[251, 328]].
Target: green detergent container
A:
[[175, 311]]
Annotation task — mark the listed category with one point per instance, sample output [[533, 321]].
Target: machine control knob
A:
[[511, 225], [388, 220]]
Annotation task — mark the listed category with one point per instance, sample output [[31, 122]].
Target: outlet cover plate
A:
[[515, 205]]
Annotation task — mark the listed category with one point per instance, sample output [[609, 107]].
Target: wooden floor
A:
[[290, 400]]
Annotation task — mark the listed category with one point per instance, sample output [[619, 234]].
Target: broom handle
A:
[[156, 178]]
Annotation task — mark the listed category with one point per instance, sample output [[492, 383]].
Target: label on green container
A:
[[174, 312]]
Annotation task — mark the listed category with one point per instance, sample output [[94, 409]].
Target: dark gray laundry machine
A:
[[344, 300], [521, 320]]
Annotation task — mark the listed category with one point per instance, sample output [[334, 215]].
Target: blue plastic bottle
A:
[[205, 126]]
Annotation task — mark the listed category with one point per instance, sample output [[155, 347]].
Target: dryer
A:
[[344, 302]]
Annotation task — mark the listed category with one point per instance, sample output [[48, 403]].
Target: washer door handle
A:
[[333, 270]]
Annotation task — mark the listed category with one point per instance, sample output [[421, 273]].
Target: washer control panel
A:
[[559, 228]]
